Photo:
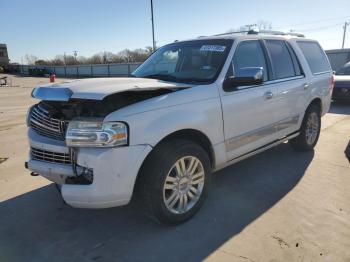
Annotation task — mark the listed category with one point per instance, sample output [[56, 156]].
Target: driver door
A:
[[248, 111]]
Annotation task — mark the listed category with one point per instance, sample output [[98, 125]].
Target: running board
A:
[[257, 151]]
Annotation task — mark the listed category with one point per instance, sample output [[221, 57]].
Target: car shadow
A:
[[38, 226], [340, 107]]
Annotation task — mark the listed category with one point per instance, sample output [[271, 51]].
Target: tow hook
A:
[[34, 174]]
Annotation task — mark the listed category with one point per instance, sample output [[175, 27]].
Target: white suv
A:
[[192, 108]]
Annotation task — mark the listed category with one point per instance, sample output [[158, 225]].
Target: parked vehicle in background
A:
[[192, 108], [341, 90], [39, 71]]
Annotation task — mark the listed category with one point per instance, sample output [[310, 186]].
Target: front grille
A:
[[45, 125], [51, 157]]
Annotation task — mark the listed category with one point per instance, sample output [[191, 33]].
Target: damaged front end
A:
[[67, 110], [77, 123]]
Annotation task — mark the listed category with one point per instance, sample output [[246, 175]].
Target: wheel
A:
[[309, 131], [173, 182]]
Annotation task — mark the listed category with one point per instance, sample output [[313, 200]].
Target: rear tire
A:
[[309, 131], [174, 180]]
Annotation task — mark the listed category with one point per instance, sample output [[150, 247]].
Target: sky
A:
[[48, 28]]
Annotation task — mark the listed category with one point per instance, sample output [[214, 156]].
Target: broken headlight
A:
[[96, 134]]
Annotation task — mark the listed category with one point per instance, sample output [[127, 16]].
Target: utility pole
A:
[[75, 55], [344, 34], [154, 42]]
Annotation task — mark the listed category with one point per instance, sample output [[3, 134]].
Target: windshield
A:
[[198, 61]]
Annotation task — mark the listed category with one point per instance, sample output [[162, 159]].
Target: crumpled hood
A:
[[99, 88]]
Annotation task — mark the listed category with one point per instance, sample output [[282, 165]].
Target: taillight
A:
[[332, 82]]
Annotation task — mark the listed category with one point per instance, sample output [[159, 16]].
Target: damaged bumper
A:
[[114, 171]]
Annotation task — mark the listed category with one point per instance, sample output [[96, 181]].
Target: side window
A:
[[281, 59], [314, 56], [297, 67], [344, 71], [248, 54]]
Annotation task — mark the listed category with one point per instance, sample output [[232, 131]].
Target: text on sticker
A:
[[212, 48]]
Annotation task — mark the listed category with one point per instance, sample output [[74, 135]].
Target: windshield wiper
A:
[[162, 77], [187, 80], [194, 80]]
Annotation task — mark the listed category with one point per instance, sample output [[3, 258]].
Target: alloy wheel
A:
[[183, 185]]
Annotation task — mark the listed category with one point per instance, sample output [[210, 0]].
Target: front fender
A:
[[152, 126]]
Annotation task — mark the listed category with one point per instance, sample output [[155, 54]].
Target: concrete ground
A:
[[276, 206]]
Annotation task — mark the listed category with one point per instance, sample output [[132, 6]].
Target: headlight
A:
[[96, 134]]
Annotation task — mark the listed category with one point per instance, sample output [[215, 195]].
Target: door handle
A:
[[268, 95], [306, 86]]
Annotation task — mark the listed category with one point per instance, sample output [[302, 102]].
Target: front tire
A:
[[174, 180], [309, 131]]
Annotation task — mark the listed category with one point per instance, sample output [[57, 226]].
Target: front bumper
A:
[[114, 169]]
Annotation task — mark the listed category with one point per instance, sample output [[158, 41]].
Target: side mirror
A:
[[247, 76]]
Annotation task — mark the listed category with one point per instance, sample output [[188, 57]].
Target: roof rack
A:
[[266, 32]]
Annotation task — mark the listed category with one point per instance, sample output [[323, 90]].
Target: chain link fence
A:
[[98, 70]]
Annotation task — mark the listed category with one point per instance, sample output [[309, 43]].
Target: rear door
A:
[[248, 111], [290, 85]]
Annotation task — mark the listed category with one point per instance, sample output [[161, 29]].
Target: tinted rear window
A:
[[282, 62], [315, 57]]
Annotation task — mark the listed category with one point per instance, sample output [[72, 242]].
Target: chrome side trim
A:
[[270, 82], [321, 73], [257, 151], [252, 136], [286, 123], [249, 137], [284, 79]]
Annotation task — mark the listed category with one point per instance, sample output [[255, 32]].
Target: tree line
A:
[[124, 56]]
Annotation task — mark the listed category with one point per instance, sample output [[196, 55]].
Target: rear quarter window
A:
[[314, 56]]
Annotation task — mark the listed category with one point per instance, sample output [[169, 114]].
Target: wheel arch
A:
[[195, 136], [316, 102], [192, 135]]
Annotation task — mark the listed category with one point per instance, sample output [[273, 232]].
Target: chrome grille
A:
[[45, 125], [48, 156]]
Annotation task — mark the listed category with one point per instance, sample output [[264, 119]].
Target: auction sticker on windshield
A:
[[213, 48]]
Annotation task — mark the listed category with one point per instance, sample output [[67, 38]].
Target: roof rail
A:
[[267, 32], [274, 32], [231, 33]]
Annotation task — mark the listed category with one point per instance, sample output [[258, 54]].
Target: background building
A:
[[4, 58]]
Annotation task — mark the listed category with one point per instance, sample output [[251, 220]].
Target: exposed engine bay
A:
[[63, 110]]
